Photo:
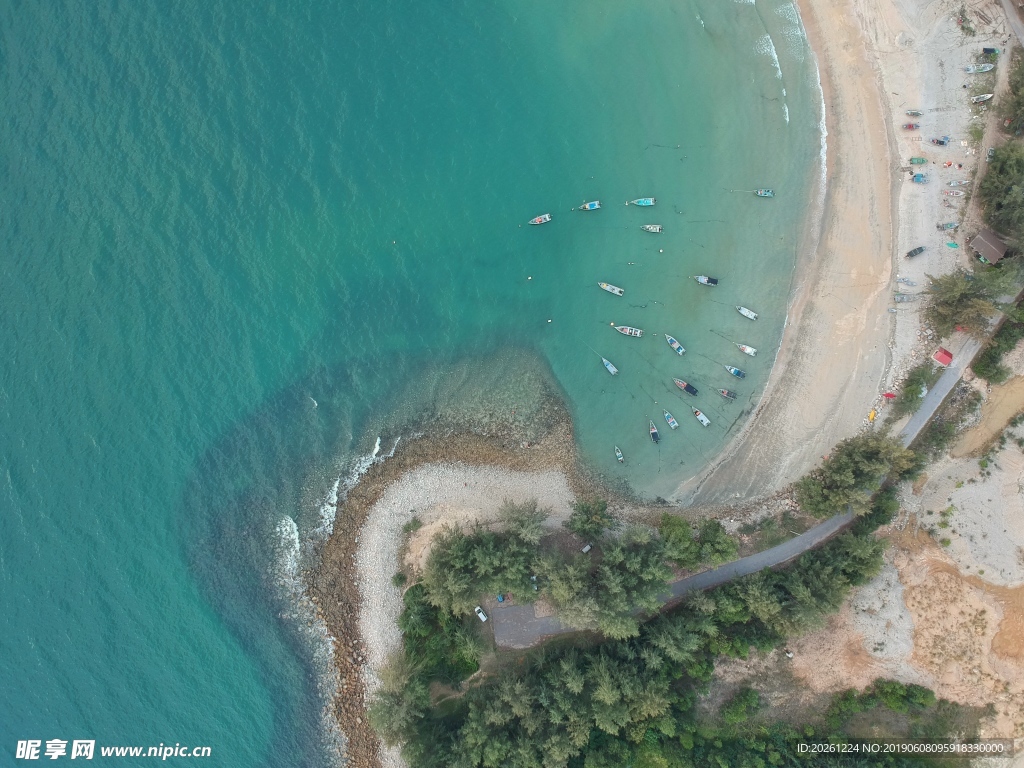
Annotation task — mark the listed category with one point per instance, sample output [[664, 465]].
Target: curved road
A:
[[517, 626]]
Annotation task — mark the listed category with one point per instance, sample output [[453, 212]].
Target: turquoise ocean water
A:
[[240, 241]]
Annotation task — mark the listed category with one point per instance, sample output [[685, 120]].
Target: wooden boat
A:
[[901, 298], [591, 206], [671, 420], [544, 217], [642, 201], [705, 280], [747, 312], [701, 417], [914, 113], [911, 126], [941, 142], [746, 350], [920, 178], [608, 364], [949, 225], [764, 192], [625, 330], [981, 99], [918, 160], [960, 183], [735, 371], [654, 433], [618, 455], [656, 228], [612, 288], [687, 388], [674, 344], [728, 394], [979, 68], [953, 192]]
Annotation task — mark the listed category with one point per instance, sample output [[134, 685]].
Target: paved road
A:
[[1013, 18], [516, 626]]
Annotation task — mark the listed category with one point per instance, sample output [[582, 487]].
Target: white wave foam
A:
[[766, 47], [785, 111]]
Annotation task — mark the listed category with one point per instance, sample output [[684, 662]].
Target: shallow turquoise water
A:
[[239, 243]]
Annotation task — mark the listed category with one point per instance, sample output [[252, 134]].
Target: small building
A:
[[989, 246], [943, 356]]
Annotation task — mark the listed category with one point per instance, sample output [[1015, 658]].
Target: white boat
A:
[[671, 420], [747, 312], [953, 192], [674, 344], [618, 454], [977, 70], [960, 183], [746, 350], [591, 206], [654, 433], [983, 98], [701, 417], [544, 217], [625, 330], [612, 288], [656, 228], [611, 368], [642, 201], [705, 280]]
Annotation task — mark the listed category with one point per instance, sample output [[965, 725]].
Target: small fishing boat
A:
[[735, 371], [746, 350], [960, 183], [656, 228], [642, 201], [920, 178], [625, 330], [608, 364], [612, 288], [979, 68], [918, 160], [671, 420], [544, 217], [674, 344], [687, 388], [705, 280], [941, 142], [905, 281], [953, 192], [618, 455], [914, 113], [747, 312], [911, 126], [654, 433], [728, 394], [981, 99], [764, 192], [701, 417], [591, 206], [947, 226]]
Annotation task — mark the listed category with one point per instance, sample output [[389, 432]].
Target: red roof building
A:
[[943, 357]]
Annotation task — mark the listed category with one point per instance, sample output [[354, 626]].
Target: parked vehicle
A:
[[480, 613]]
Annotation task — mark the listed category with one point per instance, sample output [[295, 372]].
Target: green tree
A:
[[590, 518], [716, 545], [680, 546], [1002, 190], [959, 299], [742, 706], [525, 520]]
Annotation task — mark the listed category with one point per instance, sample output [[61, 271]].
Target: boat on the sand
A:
[[911, 126], [704, 420], [656, 228], [960, 183], [705, 280], [982, 98], [674, 344], [608, 364], [618, 455], [728, 394], [654, 433], [612, 288], [671, 420], [591, 206], [941, 142], [914, 113], [979, 68], [953, 192], [544, 217], [918, 160], [746, 350], [642, 201], [626, 330], [764, 192], [687, 388], [735, 371], [749, 313]]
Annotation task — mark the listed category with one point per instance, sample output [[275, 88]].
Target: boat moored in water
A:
[[704, 420], [735, 371], [591, 206], [748, 313], [612, 288], [705, 280], [764, 192], [642, 201], [543, 218], [654, 433], [728, 394], [674, 344], [626, 330], [618, 455], [671, 420], [687, 388], [656, 228], [746, 350], [608, 364]]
